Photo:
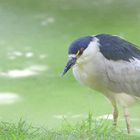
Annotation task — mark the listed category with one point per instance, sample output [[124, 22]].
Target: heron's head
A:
[[75, 51]]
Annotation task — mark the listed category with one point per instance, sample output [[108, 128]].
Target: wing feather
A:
[[124, 76], [116, 48]]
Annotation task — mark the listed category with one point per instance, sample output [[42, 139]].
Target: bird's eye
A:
[[79, 52]]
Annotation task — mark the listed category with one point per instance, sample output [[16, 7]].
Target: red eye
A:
[[81, 51]]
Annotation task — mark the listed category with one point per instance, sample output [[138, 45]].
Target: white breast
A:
[[89, 69]]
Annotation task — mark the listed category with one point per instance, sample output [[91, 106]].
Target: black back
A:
[[116, 48]]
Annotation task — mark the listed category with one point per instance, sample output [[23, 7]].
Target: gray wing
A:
[[124, 76], [122, 62]]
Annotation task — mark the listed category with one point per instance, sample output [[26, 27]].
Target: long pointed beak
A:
[[70, 63]]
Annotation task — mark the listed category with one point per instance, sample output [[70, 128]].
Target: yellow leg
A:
[[115, 112], [115, 115], [127, 119]]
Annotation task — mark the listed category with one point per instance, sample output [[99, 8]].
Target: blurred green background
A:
[[34, 37]]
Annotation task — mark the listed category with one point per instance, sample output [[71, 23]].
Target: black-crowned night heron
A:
[[110, 65]]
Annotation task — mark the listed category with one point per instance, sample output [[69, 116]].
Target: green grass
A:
[[89, 129]]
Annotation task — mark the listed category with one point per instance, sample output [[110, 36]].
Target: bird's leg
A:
[[115, 111], [115, 115], [127, 120]]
